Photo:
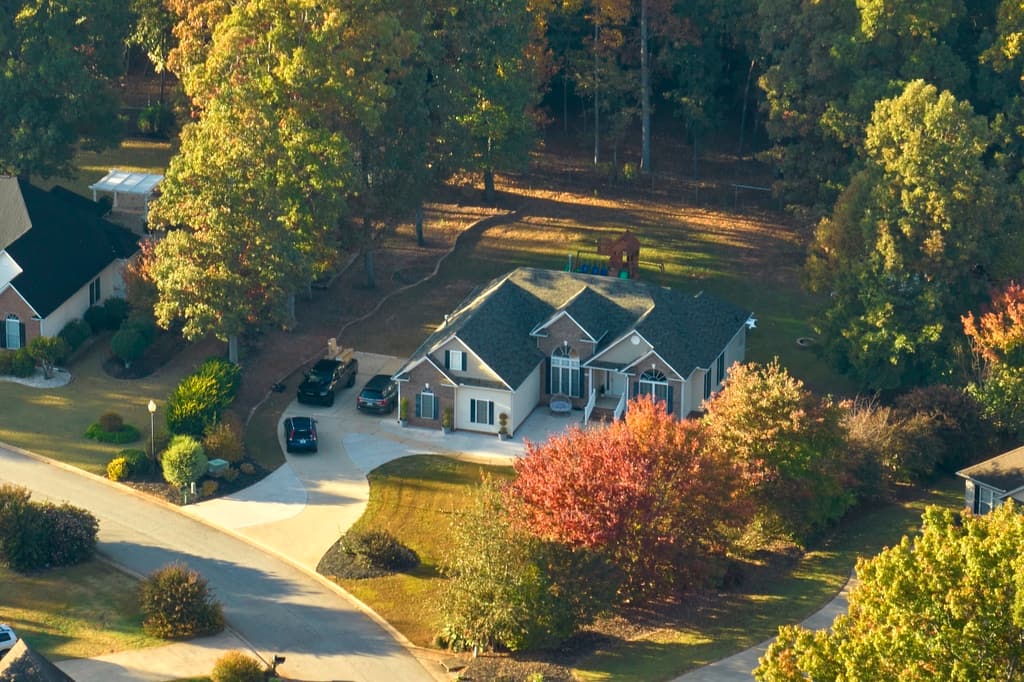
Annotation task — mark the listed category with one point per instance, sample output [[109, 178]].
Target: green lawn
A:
[[143, 156], [415, 498], [74, 612], [51, 422]]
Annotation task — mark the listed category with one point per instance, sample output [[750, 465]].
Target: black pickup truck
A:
[[324, 377]]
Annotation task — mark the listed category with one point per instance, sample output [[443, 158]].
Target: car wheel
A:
[[330, 400], [351, 381]]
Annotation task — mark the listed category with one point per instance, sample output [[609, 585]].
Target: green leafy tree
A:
[[790, 442], [184, 461], [509, 589], [47, 351], [945, 605], [57, 95], [129, 343], [153, 32], [902, 252]]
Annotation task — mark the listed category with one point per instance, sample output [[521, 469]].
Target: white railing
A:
[[620, 409], [589, 409]]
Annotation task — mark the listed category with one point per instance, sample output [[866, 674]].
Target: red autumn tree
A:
[[644, 491], [998, 334]]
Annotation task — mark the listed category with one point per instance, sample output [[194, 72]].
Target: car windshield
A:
[[5, 637], [372, 393]]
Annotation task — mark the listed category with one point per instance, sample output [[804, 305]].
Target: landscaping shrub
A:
[[176, 603], [378, 549], [36, 535], [228, 376], [193, 406], [126, 434], [247, 468], [138, 462], [128, 344], [229, 474], [48, 351], [21, 545], [107, 316], [75, 333], [118, 469], [235, 666], [208, 488], [69, 532], [23, 364], [6, 360], [224, 441], [111, 421], [184, 461]]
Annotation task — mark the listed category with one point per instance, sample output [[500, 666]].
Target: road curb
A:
[[419, 653]]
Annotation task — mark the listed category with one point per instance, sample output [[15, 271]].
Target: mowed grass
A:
[[51, 422], [136, 155], [417, 499], [74, 612]]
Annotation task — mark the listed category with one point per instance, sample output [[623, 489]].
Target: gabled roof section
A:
[[1004, 472], [690, 331], [497, 323], [66, 246], [14, 220], [8, 269]]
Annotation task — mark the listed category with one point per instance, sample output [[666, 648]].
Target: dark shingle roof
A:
[[67, 245], [24, 664], [1004, 472], [687, 331]]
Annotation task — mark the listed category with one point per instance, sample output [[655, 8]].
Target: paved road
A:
[[274, 606]]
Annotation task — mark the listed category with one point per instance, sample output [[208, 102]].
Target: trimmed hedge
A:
[[139, 463], [118, 469], [37, 535], [23, 364], [176, 604], [184, 461], [6, 360], [75, 333], [127, 434], [379, 550]]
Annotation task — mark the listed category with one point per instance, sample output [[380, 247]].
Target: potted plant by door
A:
[[447, 419], [403, 412], [503, 426]]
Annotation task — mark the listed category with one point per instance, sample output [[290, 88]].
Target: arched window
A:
[[13, 332], [654, 383], [565, 372]]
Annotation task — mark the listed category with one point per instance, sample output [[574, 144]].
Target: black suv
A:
[[300, 434], [380, 394], [324, 377]]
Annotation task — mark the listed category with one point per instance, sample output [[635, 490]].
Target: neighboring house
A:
[[58, 256], [990, 483], [534, 334]]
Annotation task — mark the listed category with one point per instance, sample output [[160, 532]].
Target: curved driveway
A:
[[273, 605]]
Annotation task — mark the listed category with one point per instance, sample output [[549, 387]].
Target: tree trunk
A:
[[233, 348], [743, 116], [489, 186], [419, 224], [597, 113], [291, 310], [371, 275], [163, 78], [645, 88]]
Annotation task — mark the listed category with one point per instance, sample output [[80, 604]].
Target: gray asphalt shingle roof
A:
[[67, 245], [687, 331], [1004, 472]]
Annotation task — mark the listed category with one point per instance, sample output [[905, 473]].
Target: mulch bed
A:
[[163, 349], [155, 486]]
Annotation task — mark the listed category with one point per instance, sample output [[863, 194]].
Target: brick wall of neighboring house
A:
[[565, 330], [424, 374], [11, 303]]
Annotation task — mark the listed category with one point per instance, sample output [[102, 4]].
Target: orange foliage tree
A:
[[643, 491], [998, 334]]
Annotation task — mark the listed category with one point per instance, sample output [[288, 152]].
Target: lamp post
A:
[[152, 429]]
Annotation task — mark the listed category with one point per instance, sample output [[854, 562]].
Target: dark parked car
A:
[[300, 434], [324, 377], [380, 394]]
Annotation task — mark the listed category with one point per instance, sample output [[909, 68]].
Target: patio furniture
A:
[[560, 404]]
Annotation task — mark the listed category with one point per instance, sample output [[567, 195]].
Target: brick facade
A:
[[560, 333], [11, 303], [424, 374]]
